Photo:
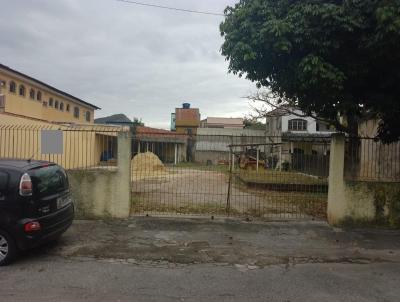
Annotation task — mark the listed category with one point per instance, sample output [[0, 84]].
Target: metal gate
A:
[[248, 176]]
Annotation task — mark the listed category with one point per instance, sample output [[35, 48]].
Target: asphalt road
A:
[[153, 259], [57, 279]]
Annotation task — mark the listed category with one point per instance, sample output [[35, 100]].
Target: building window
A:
[[51, 102], [21, 90], [76, 112], [67, 107], [62, 106], [13, 87], [297, 125], [32, 94], [56, 104], [39, 96], [87, 116]]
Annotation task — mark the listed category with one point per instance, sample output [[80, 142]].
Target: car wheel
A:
[[8, 249]]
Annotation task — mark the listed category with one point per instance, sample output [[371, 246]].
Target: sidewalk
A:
[[246, 245]]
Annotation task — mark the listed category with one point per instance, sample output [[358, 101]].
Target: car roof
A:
[[22, 164]]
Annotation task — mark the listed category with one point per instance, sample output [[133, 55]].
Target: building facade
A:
[[187, 120], [25, 96]]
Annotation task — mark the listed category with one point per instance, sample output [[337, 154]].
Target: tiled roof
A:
[[154, 134]]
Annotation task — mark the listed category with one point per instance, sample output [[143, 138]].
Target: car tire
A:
[[8, 249]]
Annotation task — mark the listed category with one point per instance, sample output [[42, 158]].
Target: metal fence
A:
[[80, 148], [367, 159], [224, 175]]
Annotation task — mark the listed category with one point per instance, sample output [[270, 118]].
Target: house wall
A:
[[311, 123], [40, 109], [278, 124]]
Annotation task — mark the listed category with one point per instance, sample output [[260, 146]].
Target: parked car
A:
[[35, 205]]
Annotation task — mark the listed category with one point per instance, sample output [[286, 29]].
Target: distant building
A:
[[167, 145], [187, 120], [290, 120], [222, 122], [24, 96], [295, 138], [173, 126]]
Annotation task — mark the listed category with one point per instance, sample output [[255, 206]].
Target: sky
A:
[[136, 60]]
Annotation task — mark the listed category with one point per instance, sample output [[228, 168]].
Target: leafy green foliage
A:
[[331, 57], [254, 124]]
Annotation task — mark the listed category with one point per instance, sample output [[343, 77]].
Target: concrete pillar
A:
[[337, 206], [122, 192]]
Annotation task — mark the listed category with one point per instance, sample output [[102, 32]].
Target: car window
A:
[[48, 180]]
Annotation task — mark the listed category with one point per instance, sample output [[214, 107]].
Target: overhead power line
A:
[[172, 8]]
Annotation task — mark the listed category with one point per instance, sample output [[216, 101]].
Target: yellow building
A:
[[25, 96], [28, 107]]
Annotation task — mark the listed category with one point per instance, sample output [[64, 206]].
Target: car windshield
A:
[[49, 180]]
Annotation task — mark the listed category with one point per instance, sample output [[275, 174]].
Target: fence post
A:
[[176, 154], [122, 193], [336, 193]]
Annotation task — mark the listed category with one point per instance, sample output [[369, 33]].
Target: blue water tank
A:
[[186, 105]]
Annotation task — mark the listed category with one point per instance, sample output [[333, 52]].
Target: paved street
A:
[[148, 259]]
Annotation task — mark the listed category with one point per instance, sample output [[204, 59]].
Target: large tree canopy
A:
[[329, 57]]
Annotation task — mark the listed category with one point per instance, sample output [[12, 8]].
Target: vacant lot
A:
[[192, 190]]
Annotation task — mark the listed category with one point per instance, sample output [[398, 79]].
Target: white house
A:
[[293, 136]]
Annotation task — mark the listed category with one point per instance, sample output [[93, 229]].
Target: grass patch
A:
[[143, 206], [279, 177], [296, 205]]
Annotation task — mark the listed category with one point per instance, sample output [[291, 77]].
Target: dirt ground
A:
[[192, 191]]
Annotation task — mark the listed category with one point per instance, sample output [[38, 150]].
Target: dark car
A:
[[35, 205]]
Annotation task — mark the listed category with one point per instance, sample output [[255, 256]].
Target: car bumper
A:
[[52, 226]]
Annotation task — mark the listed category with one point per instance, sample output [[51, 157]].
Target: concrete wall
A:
[[358, 202], [230, 132], [104, 193]]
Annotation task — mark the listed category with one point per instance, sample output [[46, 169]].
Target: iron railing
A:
[[82, 148], [367, 159], [260, 176]]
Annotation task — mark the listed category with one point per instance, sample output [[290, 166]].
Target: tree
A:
[[137, 122], [253, 123], [338, 59]]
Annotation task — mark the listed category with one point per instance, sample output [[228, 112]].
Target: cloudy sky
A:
[[129, 59]]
